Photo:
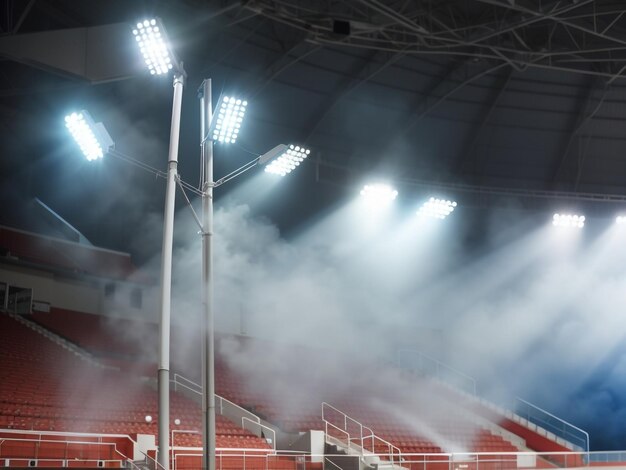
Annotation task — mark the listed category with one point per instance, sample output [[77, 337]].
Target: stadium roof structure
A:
[[483, 98]]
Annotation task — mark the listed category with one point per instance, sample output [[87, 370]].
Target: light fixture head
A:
[[568, 220], [153, 44], [92, 138], [437, 208], [378, 194], [227, 119], [285, 158]]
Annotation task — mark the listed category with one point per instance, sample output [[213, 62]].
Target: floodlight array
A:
[[227, 119], [288, 160], [378, 193], [150, 37], [81, 126], [568, 220], [436, 208]]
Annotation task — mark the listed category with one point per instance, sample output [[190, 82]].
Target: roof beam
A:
[[23, 16], [282, 63], [467, 155], [579, 121], [556, 18], [360, 75], [441, 90]]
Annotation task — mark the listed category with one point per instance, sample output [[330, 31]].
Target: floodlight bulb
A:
[[148, 419], [229, 116], [437, 208], [286, 159], [568, 220], [378, 194], [83, 130], [153, 47]]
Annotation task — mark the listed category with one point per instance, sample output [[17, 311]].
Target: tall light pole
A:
[[151, 39], [208, 336], [223, 127]]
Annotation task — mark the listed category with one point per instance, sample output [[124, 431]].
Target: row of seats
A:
[[79, 397], [304, 412]]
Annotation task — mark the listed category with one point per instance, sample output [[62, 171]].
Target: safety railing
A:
[[255, 427], [551, 423], [233, 411], [358, 434], [20, 448], [417, 361], [228, 459], [74, 446], [225, 458]]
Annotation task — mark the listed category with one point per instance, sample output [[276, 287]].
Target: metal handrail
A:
[[198, 387], [244, 419], [390, 447], [152, 461], [439, 365], [562, 433], [566, 424], [219, 398], [66, 443], [332, 463], [327, 423]]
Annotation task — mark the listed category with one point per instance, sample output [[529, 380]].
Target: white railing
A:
[[250, 460], [552, 423], [70, 451], [77, 438], [225, 407], [415, 360], [412, 359], [366, 440]]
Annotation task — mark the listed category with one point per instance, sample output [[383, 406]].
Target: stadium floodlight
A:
[[568, 220], [226, 121], [284, 159], [92, 138], [378, 193], [436, 208], [153, 44]]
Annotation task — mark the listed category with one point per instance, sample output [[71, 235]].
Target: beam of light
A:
[[620, 220], [92, 138], [288, 160], [436, 208], [568, 220], [226, 121], [150, 36], [377, 195]]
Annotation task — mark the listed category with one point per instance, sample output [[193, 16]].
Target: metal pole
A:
[[208, 347], [166, 279]]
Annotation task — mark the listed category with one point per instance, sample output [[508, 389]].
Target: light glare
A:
[[81, 128], [620, 220], [568, 220], [288, 160], [153, 46], [378, 193], [227, 119], [436, 208]]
